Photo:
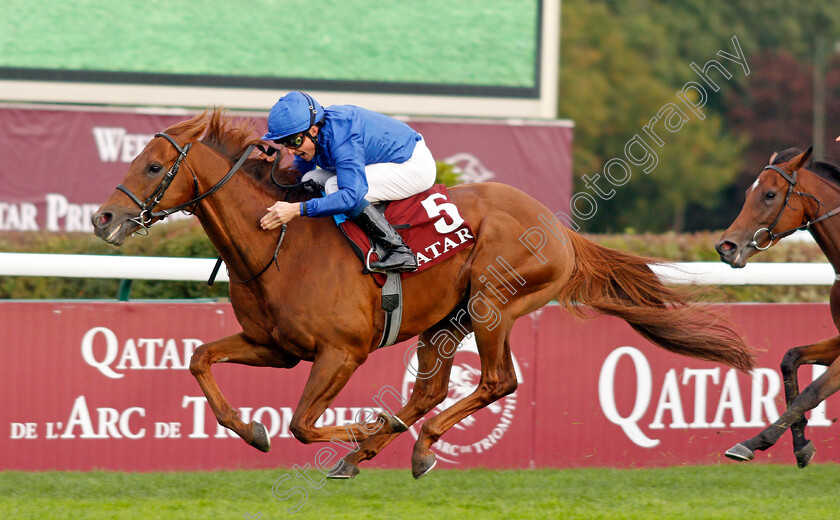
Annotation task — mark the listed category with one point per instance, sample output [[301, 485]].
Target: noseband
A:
[[791, 179], [147, 213]]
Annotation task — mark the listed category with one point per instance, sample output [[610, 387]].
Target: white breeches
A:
[[390, 181]]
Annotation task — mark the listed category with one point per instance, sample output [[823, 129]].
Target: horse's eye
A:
[[770, 195], [155, 168]]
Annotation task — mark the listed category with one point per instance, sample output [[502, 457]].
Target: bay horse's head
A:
[[162, 179], [772, 210]]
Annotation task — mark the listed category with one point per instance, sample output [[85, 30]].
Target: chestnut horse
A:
[[789, 195], [314, 304]]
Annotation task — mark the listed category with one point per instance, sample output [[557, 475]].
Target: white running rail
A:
[[199, 269]]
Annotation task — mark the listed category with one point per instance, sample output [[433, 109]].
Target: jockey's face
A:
[[306, 150]]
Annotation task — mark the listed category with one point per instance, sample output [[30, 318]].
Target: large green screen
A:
[[411, 46]]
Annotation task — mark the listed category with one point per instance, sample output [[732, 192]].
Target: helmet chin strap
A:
[[314, 139], [312, 120]]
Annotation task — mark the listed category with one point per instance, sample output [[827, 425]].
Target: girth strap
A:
[[392, 305]]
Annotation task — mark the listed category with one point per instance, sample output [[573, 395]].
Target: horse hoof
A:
[[259, 437], [805, 455], [393, 423], [344, 470], [422, 464], [740, 453]]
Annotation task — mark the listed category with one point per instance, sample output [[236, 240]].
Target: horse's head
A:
[[153, 187], [773, 208]]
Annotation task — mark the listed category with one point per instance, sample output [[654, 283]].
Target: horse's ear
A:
[[801, 160]]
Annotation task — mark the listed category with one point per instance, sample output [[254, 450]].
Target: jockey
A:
[[364, 156]]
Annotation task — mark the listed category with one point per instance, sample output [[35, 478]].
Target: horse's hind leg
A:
[[435, 352], [498, 379], [234, 349], [824, 352], [330, 371]]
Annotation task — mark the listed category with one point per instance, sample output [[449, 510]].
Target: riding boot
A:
[[398, 256]]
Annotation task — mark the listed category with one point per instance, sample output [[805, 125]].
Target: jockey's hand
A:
[[274, 151], [268, 158], [258, 154], [279, 214]]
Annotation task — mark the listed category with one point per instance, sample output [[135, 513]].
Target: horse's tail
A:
[[622, 285]]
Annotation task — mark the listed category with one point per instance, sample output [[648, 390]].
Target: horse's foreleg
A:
[[434, 364], [498, 379], [821, 353], [234, 349], [814, 394]]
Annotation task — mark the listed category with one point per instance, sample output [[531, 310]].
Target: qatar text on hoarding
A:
[[670, 410]]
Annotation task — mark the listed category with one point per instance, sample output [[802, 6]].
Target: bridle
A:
[[147, 213], [791, 179]]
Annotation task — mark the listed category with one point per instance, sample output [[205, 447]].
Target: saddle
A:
[[430, 225], [428, 222]]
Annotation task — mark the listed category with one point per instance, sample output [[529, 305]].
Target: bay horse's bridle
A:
[[791, 179], [147, 215]]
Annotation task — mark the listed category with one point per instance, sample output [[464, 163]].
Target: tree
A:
[[611, 85]]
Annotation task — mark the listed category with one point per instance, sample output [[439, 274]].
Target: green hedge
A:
[[187, 239]]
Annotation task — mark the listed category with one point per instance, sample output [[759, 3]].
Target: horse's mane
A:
[[824, 168], [231, 136]]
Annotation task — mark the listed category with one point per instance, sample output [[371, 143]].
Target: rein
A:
[[791, 179], [309, 184]]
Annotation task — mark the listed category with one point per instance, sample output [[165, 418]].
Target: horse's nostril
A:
[[725, 246], [103, 218]]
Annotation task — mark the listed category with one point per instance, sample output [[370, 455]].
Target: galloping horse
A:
[[785, 198], [327, 312]]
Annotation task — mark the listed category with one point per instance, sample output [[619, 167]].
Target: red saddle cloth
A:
[[435, 229]]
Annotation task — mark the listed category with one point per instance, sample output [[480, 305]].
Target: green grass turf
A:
[[730, 491], [470, 42]]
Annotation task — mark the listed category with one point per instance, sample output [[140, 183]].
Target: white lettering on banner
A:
[[76, 216], [84, 422], [276, 420], [112, 424], [24, 430], [18, 217], [116, 144], [763, 397], [160, 353], [606, 394]]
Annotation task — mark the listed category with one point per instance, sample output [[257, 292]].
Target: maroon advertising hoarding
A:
[[107, 386], [59, 165]]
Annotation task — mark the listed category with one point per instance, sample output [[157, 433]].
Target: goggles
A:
[[291, 141]]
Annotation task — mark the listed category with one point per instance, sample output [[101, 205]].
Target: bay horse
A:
[[792, 193], [314, 304]]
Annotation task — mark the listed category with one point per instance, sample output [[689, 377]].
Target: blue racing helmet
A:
[[293, 113]]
